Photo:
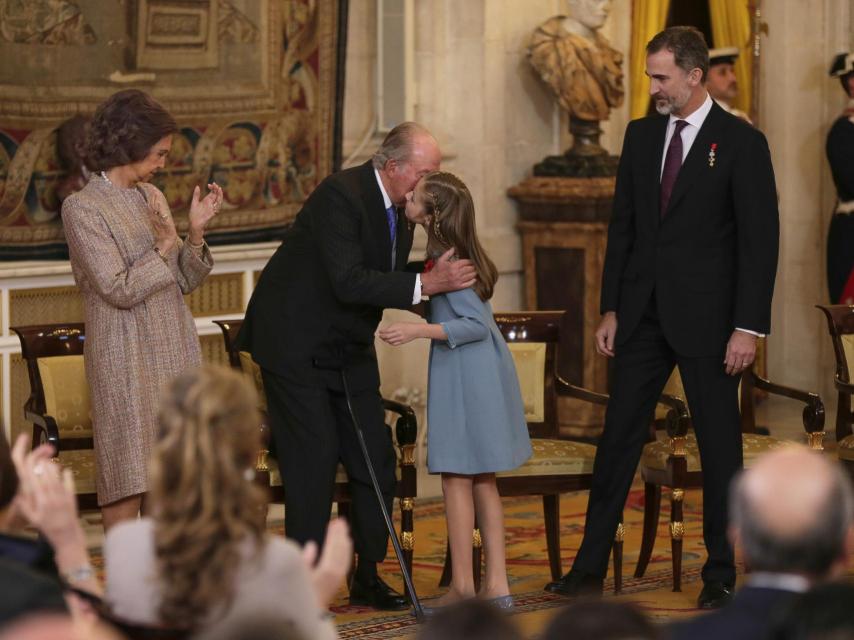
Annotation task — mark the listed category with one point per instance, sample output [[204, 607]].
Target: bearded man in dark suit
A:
[[320, 299], [688, 279]]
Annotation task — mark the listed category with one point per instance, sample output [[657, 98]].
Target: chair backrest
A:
[[840, 324], [57, 375], [242, 360], [533, 338]]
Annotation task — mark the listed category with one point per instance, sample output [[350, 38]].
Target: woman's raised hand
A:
[[46, 493], [160, 215], [201, 211]]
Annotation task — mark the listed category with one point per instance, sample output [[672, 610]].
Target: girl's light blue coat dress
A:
[[476, 422]]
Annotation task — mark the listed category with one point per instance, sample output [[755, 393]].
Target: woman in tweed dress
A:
[[132, 270]]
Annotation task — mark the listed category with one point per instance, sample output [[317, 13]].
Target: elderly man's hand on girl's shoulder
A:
[[448, 274]]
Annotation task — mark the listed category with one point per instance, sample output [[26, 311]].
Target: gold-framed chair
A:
[[405, 432], [840, 324], [58, 405], [674, 462]]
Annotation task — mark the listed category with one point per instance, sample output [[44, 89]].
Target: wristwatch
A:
[[79, 574]]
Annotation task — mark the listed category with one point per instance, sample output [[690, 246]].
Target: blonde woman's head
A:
[[205, 502]]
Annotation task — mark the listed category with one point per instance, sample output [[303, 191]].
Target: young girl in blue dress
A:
[[474, 408]]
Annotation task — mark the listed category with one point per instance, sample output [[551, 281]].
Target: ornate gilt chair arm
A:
[[677, 419], [406, 426], [813, 414], [47, 426]]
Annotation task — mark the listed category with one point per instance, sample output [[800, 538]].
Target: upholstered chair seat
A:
[[845, 449], [656, 454], [555, 458]]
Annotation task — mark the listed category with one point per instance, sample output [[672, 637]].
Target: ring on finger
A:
[[38, 470]]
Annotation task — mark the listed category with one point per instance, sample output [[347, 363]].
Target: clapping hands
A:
[[202, 211]]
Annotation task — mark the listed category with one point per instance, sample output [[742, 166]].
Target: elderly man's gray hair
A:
[[817, 543], [397, 145]]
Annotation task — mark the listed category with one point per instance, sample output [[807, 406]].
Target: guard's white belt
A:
[[845, 207]]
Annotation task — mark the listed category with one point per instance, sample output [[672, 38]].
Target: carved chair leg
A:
[[407, 533], [618, 557], [551, 516], [677, 532], [447, 574], [651, 513], [477, 556]]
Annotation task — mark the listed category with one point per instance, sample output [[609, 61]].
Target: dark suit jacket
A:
[[712, 259], [26, 591], [324, 290], [750, 615]]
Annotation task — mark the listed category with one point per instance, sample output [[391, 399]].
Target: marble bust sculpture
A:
[[580, 68]]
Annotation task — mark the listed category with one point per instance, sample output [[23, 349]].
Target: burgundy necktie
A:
[[672, 164]]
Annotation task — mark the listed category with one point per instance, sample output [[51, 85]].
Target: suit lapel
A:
[[698, 156], [375, 210]]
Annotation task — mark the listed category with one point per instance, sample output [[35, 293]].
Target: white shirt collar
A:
[[386, 200], [783, 581], [697, 118]]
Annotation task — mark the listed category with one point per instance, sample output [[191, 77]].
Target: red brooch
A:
[[712, 154], [429, 264]]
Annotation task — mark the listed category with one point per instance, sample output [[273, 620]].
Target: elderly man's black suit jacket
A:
[[323, 292], [712, 258]]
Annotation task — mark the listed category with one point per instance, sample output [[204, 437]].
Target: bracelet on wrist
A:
[[164, 255], [194, 245], [79, 574]]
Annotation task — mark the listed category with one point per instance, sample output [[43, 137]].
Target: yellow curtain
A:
[[648, 18], [731, 28]]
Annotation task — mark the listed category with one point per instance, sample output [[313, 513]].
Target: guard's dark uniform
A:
[[840, 154], [840, 238]]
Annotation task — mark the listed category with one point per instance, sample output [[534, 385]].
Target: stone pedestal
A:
[[563, 223]]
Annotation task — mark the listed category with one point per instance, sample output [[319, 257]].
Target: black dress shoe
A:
[[378, 595], [575, 584], [714, 595]]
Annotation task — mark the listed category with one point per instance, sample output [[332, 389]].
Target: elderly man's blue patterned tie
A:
[[391, 214]]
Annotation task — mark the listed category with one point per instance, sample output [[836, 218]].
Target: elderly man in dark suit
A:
[[320, 299], [792, 515], [688, 279]]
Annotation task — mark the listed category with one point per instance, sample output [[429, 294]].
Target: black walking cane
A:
[[337, 365]]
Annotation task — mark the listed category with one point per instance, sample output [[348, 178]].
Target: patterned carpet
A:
[[528, 565]]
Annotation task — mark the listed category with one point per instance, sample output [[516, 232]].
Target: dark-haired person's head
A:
[[677, 60], [129, 129], [792, 512], [600, 620], [469, 620], [823, 613]]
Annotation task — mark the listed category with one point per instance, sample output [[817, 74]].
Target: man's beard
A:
[[667, 105]]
